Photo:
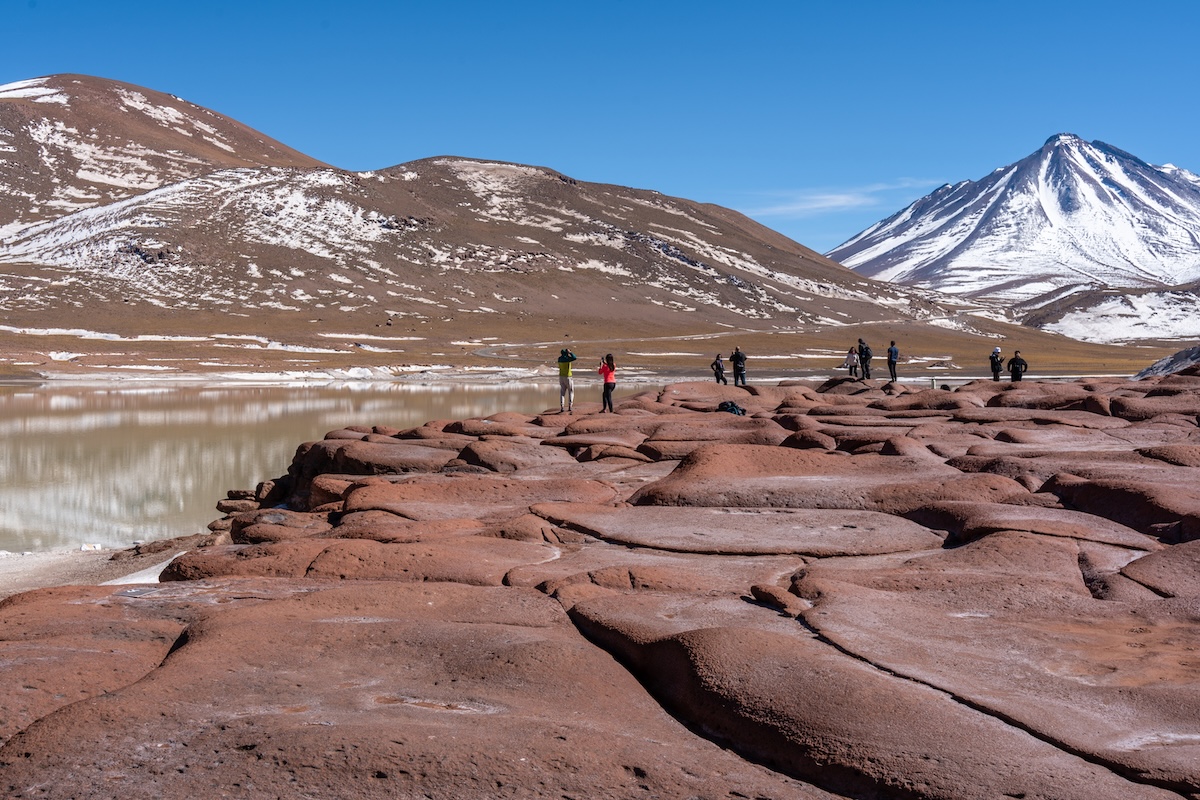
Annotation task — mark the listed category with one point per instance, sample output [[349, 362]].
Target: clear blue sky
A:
[[816, 118]]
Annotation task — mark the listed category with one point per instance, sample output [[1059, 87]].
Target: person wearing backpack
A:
[[997, 363], [864, 359], [738, 359], [893, 357], [1017, 366]]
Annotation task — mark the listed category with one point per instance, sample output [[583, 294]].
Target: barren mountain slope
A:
[[430, 238], [160, 234], [69, 142]]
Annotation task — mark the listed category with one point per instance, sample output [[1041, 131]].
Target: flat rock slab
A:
[[64, 645], [468, 496], [1041, 396], [476, 560], [1034, 468], [501, 427], [1137, 502], [967, 521], [723, 427], [1173, 572], [1081, 419], [786, 699], [1182, 455], [380, 690], [508, 456], [1149, 407], [383, 526], [622, 437], [276, 525], [1058, 437], [744, 531], [1007, 623], [621, 569], [379, 457], [782, 477]]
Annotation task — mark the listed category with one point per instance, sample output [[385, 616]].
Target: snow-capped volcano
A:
[[1070, 217]]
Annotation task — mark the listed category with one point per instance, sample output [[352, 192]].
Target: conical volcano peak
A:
[[1071, 217], [1063, 139]]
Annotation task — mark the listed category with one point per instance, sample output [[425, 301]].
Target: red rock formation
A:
[[980, 593]]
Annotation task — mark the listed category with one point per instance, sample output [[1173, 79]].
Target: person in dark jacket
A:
[[893, 358], [718, 368], [1017, 366], [738, 359], [864, 359], [997, 363]]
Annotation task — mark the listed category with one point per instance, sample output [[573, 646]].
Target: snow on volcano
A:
[[1070, 217]]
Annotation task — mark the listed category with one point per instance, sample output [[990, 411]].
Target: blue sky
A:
[[815, 118]]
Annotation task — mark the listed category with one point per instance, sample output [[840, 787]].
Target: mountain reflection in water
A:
[[114, 464]]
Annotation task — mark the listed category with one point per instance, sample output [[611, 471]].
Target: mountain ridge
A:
[[1072, 216], [106, 140], [421, 260]]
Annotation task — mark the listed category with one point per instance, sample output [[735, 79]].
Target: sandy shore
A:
[[20, 573]]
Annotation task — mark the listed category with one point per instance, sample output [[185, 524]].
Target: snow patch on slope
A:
[[35, 90], [1128, 318], [1072, 215]]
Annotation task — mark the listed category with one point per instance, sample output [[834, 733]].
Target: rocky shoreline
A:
[[852, 590]]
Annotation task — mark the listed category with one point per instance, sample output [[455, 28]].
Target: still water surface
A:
[[115, 464]]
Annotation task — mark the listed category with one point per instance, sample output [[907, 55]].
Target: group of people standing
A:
[[566, 382], [859, 358], [1017, 366], [738, 360]]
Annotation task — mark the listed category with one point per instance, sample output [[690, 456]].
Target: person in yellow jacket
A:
[[566, 386]]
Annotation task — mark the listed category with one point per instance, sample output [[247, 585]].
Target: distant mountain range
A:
[[1080, 238], [117, 194], [132, 216]]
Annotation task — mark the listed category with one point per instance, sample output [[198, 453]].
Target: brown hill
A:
[[73, 141]]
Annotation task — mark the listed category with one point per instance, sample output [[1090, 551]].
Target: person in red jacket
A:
[[608, 373]]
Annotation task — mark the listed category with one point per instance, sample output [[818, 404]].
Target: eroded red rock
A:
[[780, 477], [799, 705], [436, 611], [468, 496], [381, 690], [1109, 679], [745, 531]]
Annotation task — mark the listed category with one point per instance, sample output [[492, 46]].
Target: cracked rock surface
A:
[[856, 590]]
